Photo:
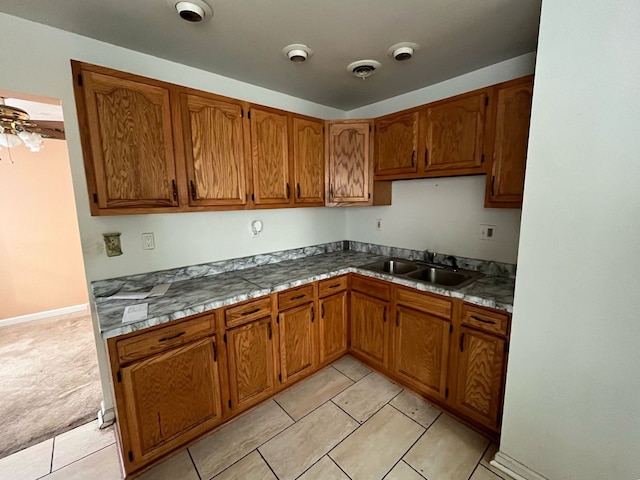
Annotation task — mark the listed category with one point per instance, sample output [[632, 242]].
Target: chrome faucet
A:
[[429, 256], [454, 262]]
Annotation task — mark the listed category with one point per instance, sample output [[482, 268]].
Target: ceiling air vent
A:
[[364, 68]]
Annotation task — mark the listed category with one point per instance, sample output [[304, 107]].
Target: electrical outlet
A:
[[487, 232], [378, 224], [148, 243]]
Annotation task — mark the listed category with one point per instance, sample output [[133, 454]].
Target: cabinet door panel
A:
[[170, 393], [369, 328], [349, 162], [214, 151], [397, 144], [131, 142], [333, 326], [308, 161], [270, 154], [481, 368], [251, 365], [455, 133], [296, 341], [510, 145], [422, 350]]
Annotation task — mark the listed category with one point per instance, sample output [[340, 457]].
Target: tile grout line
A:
[[285, 411], [406, 451], [267, 464], [195, 467], [53, 449], [408, 465], [81, 458], [336, 464], [413, 419], [480, 460]]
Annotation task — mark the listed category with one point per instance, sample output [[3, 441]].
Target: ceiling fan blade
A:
[[50, 129]]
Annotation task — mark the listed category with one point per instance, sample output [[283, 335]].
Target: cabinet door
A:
[[333, 326], [296, 342], [455, 132], [129, 126], [396, 139], [349, 162], [422, 350], [308, 161], [250, 350], [513, 111], [270, 157], [481, 369], [214, 151], [169, 394], [369, 328]]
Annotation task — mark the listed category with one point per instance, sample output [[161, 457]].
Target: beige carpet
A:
[[49, 380]]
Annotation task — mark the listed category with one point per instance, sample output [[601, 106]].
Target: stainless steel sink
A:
[[398, 267], [445, 277], [436, 274]]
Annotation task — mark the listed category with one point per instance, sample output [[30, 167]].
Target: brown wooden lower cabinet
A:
[[421, 353], [250, 352], [333, 326], [175, 382], [297, 342]]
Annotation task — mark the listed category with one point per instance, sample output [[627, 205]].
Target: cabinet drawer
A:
[[295, 297], [149, 343], [435, 305], [331, 286], [372, 288], [247, 311], [485, 319]]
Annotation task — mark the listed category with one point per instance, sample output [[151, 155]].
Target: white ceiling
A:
[[244, 39]]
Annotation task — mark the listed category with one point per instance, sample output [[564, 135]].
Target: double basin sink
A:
[[425, 272]]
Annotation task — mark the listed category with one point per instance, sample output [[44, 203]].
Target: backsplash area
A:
[[108, 287]]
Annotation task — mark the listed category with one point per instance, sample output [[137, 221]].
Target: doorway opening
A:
[[50, 381]]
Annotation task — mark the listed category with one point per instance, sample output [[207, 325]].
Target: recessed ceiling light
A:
[[297, 52], [403, 51], [194, 11], [364, 68]]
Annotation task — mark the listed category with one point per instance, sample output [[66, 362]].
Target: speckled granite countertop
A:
[[190, 296]]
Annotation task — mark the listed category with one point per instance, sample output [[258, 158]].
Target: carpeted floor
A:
[[49, 380]]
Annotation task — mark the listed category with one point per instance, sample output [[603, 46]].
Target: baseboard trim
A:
[[512, 467], [40, 315]]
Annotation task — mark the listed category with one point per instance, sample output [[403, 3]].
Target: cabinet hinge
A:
[[280, 377], [241, 113], [313, 314], [506, 347], [119, 375], [253, 197], [80, 79], [450, 328], [215, 352], [95, 198], [482, 158], [369, 195], [277, 318], [486, 100], [130, 456], [249, 114], [369, 127], [229, 403], [446, 393], [224, 337]]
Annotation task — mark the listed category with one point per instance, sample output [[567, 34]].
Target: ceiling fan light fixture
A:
[[16, 129], [297, 52]]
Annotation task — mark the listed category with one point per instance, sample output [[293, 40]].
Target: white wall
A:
[[572, 406], [444, 214]]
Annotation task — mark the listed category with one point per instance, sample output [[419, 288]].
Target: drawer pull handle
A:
[[298, 297], [335, 285], [166, 339], [250, 312], [491, 322]]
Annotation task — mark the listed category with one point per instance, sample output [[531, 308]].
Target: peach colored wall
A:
[[41, 264]]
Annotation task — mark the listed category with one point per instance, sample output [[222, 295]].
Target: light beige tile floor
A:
[[358, 426]]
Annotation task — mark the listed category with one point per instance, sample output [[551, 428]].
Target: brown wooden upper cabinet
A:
[[396, 143], [509, 141], [454, 135], [307, 140], [270, 156], [349, 146], [214, 150], [127, 140]]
